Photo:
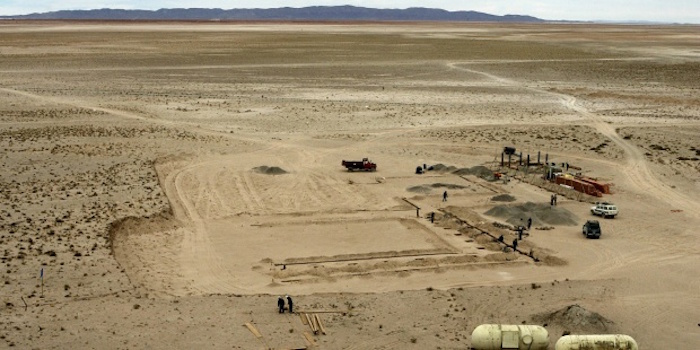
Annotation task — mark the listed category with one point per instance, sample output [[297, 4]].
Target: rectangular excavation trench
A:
[[326, 241]]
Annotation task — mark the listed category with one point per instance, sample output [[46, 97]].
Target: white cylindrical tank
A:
[[501, 336], [596, 342]]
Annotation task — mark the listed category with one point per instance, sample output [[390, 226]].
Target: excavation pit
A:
[[307, 242]]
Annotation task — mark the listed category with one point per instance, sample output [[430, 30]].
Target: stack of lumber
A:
[[314, 322]]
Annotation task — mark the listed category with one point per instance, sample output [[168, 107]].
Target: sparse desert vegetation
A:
[[138, 161]]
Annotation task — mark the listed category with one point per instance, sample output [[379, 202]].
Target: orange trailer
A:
[[578, 185], [604, 188]]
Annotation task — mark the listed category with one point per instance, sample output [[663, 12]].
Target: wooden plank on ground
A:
[[311, 323], [320, 324], [303, 319], [309, 338], [313, 319], [253, 330]]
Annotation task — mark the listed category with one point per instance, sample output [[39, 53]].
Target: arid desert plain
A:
[[171, 180]]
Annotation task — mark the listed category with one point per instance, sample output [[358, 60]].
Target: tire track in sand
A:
[[636, 168], [196, 248], [201, 266], [252, 192]]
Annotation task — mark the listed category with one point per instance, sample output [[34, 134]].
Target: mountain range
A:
[[313, 13]]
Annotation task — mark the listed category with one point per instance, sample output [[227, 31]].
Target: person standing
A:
[[529, 223], [291, 305], [280, 304], [515, 245], [444, 196]]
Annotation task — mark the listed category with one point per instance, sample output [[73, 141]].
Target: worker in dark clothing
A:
[[515, 245], [529, 223], [500, 238], [555, 199], [444, 196], [280, 304], [291, 305], [551, 200], [432, 217], [520, 232]]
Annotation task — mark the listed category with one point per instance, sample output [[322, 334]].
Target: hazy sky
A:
[[682, 11]]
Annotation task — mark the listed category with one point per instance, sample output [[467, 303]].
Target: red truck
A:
[[365, 164]]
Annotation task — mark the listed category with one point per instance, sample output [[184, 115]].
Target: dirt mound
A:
[[540, 214], [442, 168], [448, 186], [576, 319], [503, 198], [269, 170], [428, 188], [419, 189], [478, 171], [551, 260]]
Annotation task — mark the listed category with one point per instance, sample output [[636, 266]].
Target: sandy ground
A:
[[131, 175]]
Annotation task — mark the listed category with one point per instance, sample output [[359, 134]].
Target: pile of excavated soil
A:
[[503, 198], [576, 319], [428, 188], [269, 170], [448, 186], [443, 168], [419, 189], [540, 214], [478, 171]]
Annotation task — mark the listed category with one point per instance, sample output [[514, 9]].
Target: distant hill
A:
[[314, 13]]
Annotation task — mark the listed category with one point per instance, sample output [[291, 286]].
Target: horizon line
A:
[[598, 21]]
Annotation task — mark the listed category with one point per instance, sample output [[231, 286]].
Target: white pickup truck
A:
[[604, 209]]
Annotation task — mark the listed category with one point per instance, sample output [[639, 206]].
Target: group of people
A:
[[520, 230], [280, 304], [515, 243], [553, 200]]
